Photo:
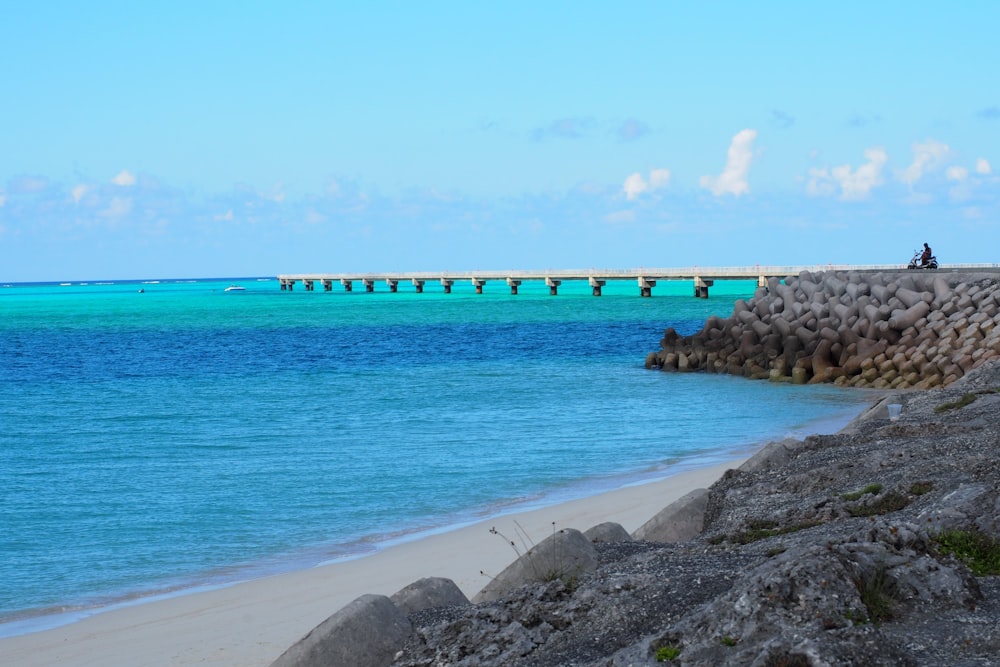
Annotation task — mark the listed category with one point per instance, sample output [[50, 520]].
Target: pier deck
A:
[[702, 277]]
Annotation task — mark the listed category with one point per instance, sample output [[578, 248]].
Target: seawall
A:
[[884, 330]]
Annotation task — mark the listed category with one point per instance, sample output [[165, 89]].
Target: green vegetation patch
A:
[[920, 488], [954, 405], [875, 590], [980, 552], [872, 489], [667, 653], [759, 530], [888, 502]]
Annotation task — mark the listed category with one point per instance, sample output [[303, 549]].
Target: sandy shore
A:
[[252, 623]]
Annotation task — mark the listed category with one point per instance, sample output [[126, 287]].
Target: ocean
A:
[[162, 436]]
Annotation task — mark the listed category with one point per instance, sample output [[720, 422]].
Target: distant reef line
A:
[[884, 331]]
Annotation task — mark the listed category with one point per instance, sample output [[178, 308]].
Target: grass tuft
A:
[[953, 405], [667, 653], [980, 552], [875, 590], [889, 502], [759, 530], [873, 489]]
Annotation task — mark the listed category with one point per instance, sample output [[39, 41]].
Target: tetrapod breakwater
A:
[[882, 330]]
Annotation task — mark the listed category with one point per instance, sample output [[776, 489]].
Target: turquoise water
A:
[[185, 436]]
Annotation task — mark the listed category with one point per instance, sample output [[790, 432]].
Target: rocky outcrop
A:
[[899, 330], [822, 552], [825, 552]]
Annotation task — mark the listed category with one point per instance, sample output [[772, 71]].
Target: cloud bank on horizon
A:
[[180, 140]]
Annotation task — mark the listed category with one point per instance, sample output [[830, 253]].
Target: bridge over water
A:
[[701, 277]]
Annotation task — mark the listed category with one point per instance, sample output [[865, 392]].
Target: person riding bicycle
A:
[[926, 255]]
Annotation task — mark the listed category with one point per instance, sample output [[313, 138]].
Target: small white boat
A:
[[236, 288]]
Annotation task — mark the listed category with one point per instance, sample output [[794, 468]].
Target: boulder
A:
[[563, 555], [429, 593], [368, 632], [609, 531], [771, 455], [682, 520]]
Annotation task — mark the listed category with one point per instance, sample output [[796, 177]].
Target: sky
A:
[[217, 139]]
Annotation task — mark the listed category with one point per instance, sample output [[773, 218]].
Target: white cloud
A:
[[733, 179], [620, 217], [314, 217], [228, 215], [635, 184], [926, 157], [3, 199], [118, 208], [956, 173], [859, 183], [983, 166], [853, 184], [659, 178], [78, 192], [820, 183], [125, 178], [26, 185]]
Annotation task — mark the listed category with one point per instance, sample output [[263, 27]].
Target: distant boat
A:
[[236, 288]]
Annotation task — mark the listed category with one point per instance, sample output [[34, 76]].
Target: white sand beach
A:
[[251, 623]]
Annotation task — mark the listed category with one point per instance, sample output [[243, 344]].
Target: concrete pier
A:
[[701, 278]]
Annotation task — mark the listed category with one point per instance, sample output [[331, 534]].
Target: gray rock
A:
[[429, 593], [792, 567], [564, 555], [682, 520], [968, 504], [771, 455], [368, 632], [609, 531]]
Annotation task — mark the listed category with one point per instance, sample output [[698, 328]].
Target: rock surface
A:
[[824, 553]]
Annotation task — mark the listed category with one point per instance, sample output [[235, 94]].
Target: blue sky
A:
[[142, 140]]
